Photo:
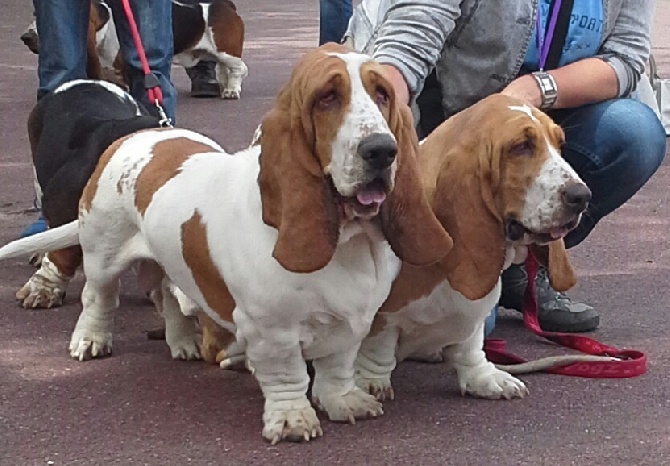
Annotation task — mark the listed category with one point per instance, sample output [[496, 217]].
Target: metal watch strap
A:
[[548, 88]]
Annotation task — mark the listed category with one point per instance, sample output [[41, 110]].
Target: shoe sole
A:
[[578, 327], [205, 94]]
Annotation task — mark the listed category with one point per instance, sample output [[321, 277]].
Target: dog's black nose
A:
[[378, 150], [576, 196]]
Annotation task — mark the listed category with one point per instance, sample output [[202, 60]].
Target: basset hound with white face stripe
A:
[[292, 244], [496, 180]]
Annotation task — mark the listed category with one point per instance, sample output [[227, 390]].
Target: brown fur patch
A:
[[168, 158], [227, 28], [554, 257], [67, 260], [378, 324], [195, 251], [413, 283], [215, 339]]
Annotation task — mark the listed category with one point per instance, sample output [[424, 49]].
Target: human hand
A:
[[525, 88], [398, 82]]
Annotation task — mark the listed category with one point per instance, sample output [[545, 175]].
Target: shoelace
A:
[[544, 287]]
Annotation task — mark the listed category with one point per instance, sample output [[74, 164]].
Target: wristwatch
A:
[[548, 88]]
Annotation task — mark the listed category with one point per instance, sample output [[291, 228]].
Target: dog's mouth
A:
[[515, 231], [366, 201]]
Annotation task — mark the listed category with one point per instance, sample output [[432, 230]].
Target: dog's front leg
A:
[[479, 377], [335, 392], [376, 360], [275, 357]]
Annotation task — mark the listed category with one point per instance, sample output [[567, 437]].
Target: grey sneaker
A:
[[556, 312]]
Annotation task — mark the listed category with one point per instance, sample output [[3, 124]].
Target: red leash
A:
[[629, 363], [151, 83]]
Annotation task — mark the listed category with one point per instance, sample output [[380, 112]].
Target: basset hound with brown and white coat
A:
[[496, 181], [292, 244]]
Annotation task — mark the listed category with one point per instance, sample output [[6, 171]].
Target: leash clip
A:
[[164, 121]]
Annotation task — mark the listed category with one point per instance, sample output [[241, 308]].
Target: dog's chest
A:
[[354, 285], [444, 317]]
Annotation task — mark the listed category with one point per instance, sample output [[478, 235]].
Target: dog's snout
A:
[[378, 150], [576, 196]]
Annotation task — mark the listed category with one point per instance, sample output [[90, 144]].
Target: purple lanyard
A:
[[543, 43]]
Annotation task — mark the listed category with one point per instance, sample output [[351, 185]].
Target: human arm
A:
[[410, 38], [613, 72], [582, 82]]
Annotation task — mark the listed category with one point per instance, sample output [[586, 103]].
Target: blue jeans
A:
[[63, 29], [615, 146], [490, 322], [333, 19]]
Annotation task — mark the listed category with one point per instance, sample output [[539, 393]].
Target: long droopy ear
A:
[[407, 220], [296, 198], [464, 202], [554, 257], [476, 261]]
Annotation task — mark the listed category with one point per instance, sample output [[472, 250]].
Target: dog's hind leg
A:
[[232, 71], [180, 331], [92, 336], [107, 254]]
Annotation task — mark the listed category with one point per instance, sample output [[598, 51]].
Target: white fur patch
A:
[[347, 168], [524, 109], [543, 198], [113, 88]]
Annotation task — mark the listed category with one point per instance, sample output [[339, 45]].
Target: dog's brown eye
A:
[[381, 97], [328, 100], [526, 148]]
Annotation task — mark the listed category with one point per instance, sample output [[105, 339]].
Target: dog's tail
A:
[[51, 240]]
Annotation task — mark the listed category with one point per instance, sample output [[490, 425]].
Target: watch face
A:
[[548, 88]]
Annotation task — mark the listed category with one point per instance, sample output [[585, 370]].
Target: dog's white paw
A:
[[290, 420], [86, 345], [231, 94], [184, 348], [380, 388], [489, 382], [237, 362], [357, 404], [39, 292]]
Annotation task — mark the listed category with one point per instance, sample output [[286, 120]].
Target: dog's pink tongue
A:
[[370, 196], [560, 233]]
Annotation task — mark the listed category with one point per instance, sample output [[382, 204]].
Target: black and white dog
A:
[[69, 129]]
